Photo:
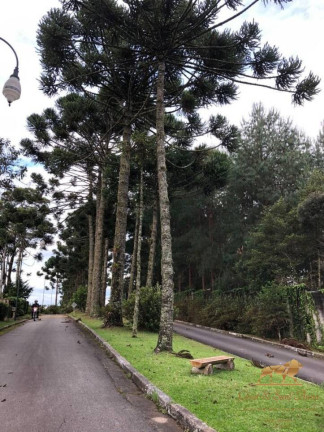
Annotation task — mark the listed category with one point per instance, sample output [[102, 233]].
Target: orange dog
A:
[[288, 369]]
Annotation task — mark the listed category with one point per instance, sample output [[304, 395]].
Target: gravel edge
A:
[[302, 352], [184, 417]]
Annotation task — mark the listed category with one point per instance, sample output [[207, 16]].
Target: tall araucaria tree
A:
[[188, 39]]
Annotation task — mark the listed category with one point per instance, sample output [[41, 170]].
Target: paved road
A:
[[312, 370], [54, 378]]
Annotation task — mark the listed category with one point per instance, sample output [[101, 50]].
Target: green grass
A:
[[12, 321], [229, 401]]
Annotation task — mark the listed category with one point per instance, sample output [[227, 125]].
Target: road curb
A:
[[300, 351], [184, 417], [13, 324]]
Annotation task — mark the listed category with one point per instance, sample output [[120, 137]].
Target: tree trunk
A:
[[319, 268], [56, 292], [166, 322], [115, 316], [90, 262], [138, 258], [90, 242], [180, 282], [10, 266], [98, 251], [18, 275], [311, 275], [134, 256], [3, 270], [150, 267], [104, 274]]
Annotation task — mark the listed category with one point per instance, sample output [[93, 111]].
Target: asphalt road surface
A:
[[55, 378], [312, 370]]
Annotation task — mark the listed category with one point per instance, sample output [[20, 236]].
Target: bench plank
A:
[[200, 363]]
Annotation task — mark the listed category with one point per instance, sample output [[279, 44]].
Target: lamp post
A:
[[12, 89]]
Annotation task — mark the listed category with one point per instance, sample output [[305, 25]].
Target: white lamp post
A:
[[12, 89]]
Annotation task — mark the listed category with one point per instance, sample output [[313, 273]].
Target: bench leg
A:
[[207, 370], [229, 365]]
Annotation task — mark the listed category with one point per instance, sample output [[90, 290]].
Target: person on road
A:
[[35, 305]]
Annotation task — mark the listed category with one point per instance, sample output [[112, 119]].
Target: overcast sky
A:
[[298, 29]]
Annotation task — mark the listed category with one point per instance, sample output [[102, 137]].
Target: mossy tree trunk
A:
[[3, 270], [98, 252], [10, 264], [150, 266], [91, 233], [138, 257], [166, 322], [134, 256], [319, 268], [115, 316], [104, 274], [56, 290], [18, 274], [90, 262]]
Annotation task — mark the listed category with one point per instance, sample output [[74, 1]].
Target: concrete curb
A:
[[184, 417], [302, 352], [13, 324]]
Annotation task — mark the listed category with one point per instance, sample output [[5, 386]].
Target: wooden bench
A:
[[205, 365]]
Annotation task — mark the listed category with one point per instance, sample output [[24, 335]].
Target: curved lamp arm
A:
[[12, 89]]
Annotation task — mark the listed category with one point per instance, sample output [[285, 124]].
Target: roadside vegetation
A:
[[4, 324], [227, 400]]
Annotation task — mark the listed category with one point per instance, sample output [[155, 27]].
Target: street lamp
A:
[[12, 89]]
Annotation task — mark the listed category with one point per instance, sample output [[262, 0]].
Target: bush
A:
[[189, 309], [224, 312], [80, 298], [53, 310], [149, 308], [5, 310], [269, 315], [67, 309], [22, 306]]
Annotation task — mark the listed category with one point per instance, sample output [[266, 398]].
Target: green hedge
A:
[[22, 306], [53, 310], [277, 311]]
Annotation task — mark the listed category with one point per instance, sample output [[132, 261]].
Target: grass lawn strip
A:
[[11, 322], [229, 401]]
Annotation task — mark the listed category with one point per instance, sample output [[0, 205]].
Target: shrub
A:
[[53, 310], [4, 311], [189, 309], [269, 314], [67, 309], [224, 312], [80, 298], [149, 308], [22, 306]]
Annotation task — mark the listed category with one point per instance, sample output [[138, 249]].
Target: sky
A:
[[297, 30]]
